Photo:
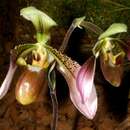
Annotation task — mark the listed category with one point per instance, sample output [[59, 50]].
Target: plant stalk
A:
[[55, 109]]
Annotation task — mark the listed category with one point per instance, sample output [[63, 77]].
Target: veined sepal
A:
[[85, 78], [113, 29], [40, 20], [91, 27]]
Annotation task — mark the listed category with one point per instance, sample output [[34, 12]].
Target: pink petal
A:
[[7, 81], [69, 69], [85, 78], [89, 107], [113, 74]]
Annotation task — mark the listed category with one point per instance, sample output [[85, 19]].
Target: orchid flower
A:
[[38, 57], [111, 55], [111, 60]]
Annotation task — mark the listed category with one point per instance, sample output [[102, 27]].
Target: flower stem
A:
[[52, 86], [66, 38], [76, 23], [55, 109], [52, 75], [52, 79]]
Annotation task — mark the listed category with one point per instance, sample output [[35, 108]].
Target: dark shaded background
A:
[[113, 108]]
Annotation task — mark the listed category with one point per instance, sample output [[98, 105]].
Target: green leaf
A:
[[113, 29], [40, 20]]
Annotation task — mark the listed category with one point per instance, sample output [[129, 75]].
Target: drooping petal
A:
[[69, 69], [7, 81], [89, 107], [92, 27], [85, 78], [113, 74]]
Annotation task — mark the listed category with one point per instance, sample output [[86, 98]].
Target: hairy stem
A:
[[76, 23], [66, 38]]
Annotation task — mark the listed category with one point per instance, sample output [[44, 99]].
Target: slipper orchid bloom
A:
[[37, 59], [111, 56], [111, 60]]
